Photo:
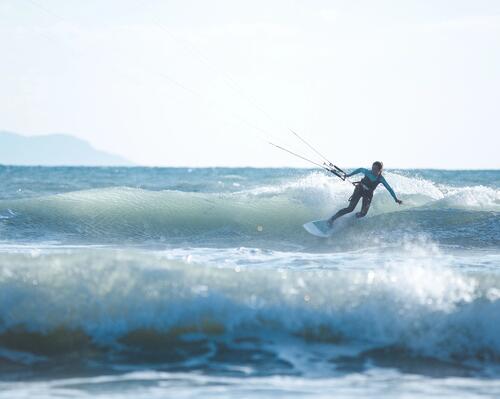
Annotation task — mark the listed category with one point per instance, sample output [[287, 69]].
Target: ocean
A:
[[183, 283]]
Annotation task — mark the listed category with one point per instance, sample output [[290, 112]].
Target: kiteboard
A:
[[319, 228]]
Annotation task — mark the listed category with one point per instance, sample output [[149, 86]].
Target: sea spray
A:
[[417, 302]]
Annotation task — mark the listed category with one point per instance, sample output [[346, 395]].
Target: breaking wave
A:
[[141, 303], [268, 213]]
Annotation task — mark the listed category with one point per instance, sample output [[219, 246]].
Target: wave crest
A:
[[270, 213]]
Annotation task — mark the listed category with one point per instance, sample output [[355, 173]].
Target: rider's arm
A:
[[356, 171], [389, 188]]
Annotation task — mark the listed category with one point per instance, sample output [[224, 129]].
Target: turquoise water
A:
[[172, 282]]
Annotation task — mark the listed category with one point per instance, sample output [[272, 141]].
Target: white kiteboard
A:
[[319, 228]]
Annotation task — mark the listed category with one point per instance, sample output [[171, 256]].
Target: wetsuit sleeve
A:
[[356, 171], [389, 188]]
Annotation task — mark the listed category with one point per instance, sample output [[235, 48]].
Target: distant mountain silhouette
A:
[[53, 150]]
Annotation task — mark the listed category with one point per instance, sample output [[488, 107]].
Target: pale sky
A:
[[204, 83]]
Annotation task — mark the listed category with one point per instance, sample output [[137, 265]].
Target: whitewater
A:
[[158, 282]]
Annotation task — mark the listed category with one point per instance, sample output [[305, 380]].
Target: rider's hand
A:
[[399, 201]]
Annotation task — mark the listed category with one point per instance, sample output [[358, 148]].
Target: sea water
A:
[[172, 282]]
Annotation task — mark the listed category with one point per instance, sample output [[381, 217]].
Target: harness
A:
[[367, 186]]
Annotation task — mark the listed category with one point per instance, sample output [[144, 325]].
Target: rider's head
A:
[[377, 168]]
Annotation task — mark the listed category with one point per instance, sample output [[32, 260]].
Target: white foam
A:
[[415, 299], [320, 190], [474, 198], [153, 384]]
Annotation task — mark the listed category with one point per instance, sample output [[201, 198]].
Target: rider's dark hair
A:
[[378, 164]]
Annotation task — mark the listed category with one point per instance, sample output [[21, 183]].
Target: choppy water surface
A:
[[139, 282]]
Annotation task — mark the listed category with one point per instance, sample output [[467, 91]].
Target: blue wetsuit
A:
[[364, 189], [373, 179]]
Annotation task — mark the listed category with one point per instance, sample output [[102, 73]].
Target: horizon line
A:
[[232, 167]]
